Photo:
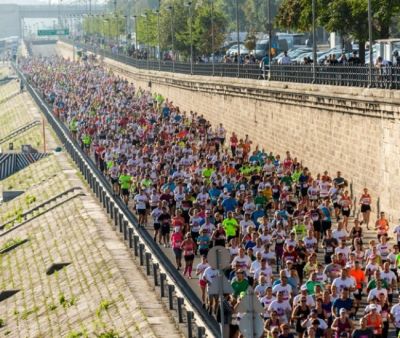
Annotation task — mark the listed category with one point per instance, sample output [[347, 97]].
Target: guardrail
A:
[[387, 77], [165, 276]]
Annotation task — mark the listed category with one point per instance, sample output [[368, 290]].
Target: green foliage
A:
[[349, 17], [29, 199], [65, 302], [2, 322], [251, 40], [104, 306], [25, 314], [77, 334], [52, 307], [10, 243], [108, 334], [16, 213]]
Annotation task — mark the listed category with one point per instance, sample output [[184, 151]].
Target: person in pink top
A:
[[176, 242], [189, 247]]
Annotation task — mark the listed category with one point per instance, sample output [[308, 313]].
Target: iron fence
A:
[[387, 77]]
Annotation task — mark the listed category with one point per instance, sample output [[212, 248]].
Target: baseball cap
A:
[[303, 288], [342, 310], [373, 307]]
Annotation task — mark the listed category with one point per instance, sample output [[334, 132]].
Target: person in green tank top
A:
[[125, 181]]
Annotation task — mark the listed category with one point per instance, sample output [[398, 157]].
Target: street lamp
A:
[[371, 56], [212, 37], [189, 4], [157, 11], [314, 36], [270, 40], [238, 38], [145, 15], [171, 9], [136, 32]]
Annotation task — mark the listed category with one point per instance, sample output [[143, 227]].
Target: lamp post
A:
[[171, 9], [314, 46], [158, 37], [238, 38], [136, 32], [371, 56], [212, 37], [147, 38], [270, 40], [189, 4]]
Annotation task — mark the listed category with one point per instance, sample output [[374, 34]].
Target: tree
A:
[[348, 17]]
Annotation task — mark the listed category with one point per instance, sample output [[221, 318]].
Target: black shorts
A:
[[178, 252], [125, 192], [189, 258], [165, 229], [337, 206], [317, 226], [114, 180], [358, 294], [303, 192], [365, 207], [141, 211], [346, 212], [326, 225], [156, 226]]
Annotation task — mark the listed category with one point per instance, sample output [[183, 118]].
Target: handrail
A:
[[41, 205], [120, 212], [19, 130]]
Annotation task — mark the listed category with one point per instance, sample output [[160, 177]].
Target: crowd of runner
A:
[[292, 234]]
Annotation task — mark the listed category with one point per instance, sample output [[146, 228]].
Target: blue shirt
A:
[[229, 204]]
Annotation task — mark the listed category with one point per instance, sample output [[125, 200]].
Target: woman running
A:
[[188, 246], [365, 202]]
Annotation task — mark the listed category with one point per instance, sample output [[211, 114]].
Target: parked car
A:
[[233, 50]]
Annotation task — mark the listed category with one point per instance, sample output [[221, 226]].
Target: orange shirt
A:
[[375, 322], [359, 277]]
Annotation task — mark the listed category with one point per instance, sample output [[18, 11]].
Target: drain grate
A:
[[7, 294], [56, 267]]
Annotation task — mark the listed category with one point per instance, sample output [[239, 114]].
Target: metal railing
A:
[[387, 77], [181, 297]]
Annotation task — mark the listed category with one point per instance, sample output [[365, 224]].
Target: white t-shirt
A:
[[243, 262], [281, 309], [310, 243], [287, 290], [340, 283], [395, 312], [396, 231], [267, 272], [345, 251], [140, 201], [210, 275], [389, 277], [374, 293], [310, 300]]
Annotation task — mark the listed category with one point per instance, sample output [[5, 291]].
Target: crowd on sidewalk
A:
[[293, 235]]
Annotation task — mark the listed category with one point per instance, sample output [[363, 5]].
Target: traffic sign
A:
[[46, 32], [219, 257], [251, 327], [214, 287]]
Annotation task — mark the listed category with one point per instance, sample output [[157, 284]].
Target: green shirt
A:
[[311, 286], [125, 181], [239, 287], [230, 226], [372, 284], [300, 230]]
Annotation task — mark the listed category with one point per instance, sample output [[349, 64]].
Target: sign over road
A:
[[47, 32]]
